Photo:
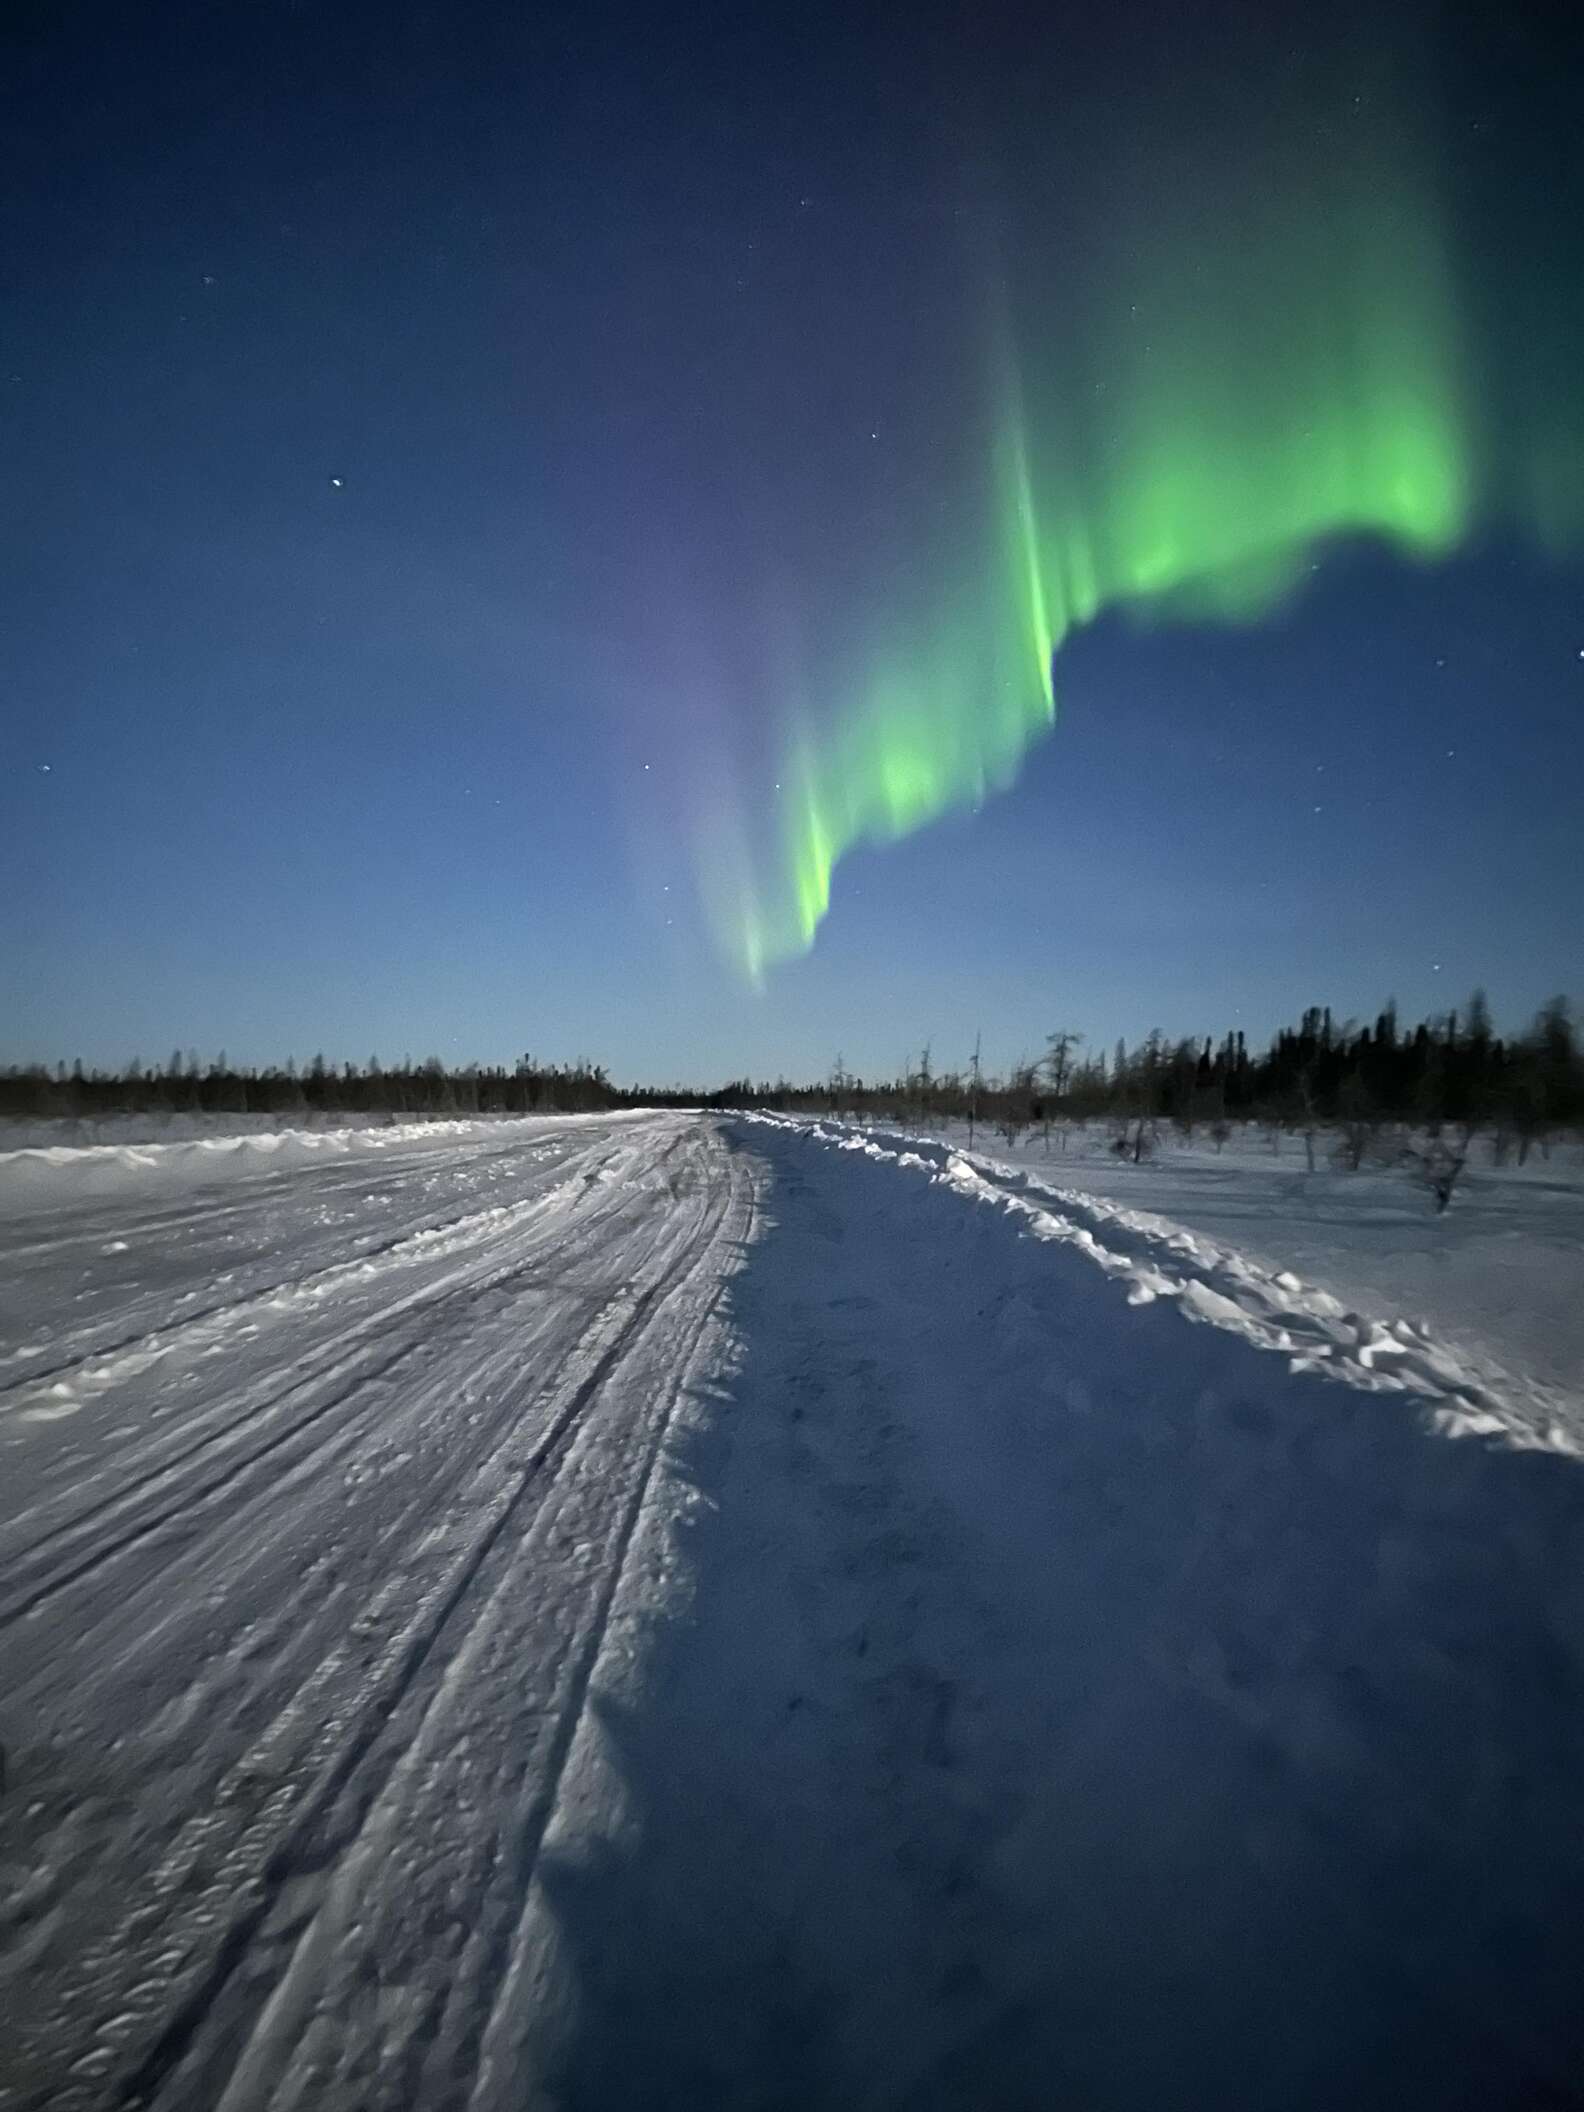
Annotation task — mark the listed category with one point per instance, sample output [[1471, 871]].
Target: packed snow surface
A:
[[668, 1611], [194, 1151]]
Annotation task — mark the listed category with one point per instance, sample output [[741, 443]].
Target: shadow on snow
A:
[[1074, 1707]]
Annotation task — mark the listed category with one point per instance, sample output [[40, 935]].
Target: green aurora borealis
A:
[[1241, 369]]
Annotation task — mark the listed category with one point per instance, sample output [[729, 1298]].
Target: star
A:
[[335, 483]]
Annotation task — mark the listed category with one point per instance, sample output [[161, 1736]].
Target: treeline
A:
[[1453, 1072], [188, 1086]]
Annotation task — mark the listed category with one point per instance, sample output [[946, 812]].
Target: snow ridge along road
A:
[[670, 1612]]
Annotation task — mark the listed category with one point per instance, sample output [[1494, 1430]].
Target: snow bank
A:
[[37, 1133], [1211, 1284], [1498, 1280]]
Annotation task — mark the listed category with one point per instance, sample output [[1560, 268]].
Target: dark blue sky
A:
[[389, 398]]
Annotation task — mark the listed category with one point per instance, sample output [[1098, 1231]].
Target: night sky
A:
[[708, 538]]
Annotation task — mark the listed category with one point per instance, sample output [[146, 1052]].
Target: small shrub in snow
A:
[[1436, 1165], [1134, 1141]]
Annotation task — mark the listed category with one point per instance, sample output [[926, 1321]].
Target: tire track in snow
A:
[[346, 1372], [167, 1338], [201, 1211], [292, 1805], [436, 2056], [457, 1293], [292, 1853]]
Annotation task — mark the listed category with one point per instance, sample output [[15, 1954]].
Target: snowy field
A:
[[663, 1611]]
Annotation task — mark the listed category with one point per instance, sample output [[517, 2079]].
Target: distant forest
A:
[[1453, 1072], [188, 1086], [1450, 1073]]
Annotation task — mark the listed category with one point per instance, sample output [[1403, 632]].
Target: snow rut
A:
[[151, 1485], [242, 1234], [273, 1652]]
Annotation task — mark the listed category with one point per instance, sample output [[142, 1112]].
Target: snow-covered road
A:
[[657, 1612], [322, 1495]]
